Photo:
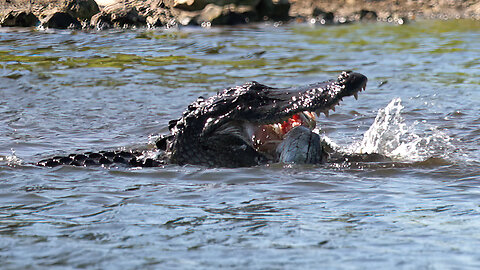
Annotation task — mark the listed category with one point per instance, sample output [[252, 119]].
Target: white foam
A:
[[389, 135], [11, 160]]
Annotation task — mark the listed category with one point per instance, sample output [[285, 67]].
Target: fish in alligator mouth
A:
[[245, 125]]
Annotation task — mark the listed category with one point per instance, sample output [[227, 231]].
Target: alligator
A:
[[246, 125]]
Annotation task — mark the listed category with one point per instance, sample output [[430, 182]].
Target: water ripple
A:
[[68, 91]]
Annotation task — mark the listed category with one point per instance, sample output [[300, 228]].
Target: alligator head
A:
[[245, 125]]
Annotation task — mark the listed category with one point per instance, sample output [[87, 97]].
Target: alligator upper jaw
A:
[[278, 105], [315, 99], [350, 84], [323, 97]]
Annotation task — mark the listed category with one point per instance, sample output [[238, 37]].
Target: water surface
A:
[[68, 91]]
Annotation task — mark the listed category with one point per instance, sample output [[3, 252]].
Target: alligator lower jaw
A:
[[265, 138]]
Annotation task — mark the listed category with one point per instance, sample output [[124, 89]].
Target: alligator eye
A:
[[343, 76]]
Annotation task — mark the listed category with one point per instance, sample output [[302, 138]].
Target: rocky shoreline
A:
[[104, 14]]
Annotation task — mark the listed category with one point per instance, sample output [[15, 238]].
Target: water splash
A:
[[11, 160], [389, 135], [385, 134]]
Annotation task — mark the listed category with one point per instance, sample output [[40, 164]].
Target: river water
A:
[[69, 91]]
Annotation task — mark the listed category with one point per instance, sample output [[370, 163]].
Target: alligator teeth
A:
[[356, 96], [310, 119], [277, 128], [303, 117]]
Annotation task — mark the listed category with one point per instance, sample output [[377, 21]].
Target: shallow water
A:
[[64, 91]]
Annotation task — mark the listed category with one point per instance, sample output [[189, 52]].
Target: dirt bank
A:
[[385, 10], [102, 14]]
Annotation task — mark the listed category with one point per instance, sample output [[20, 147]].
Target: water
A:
[[64, 91]]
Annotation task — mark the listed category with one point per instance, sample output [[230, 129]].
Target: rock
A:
[[61, 20], [393, 11], [227, 15], [128, 13], [368, 15], [216, 12], [123, 13], [20, 18], [274, 9], [233, 15], [154, 21], [188, 17], [156, 13], [101, 21], [197, 5], [82, 9], [51, 13], [127, 17], [474, 10], [322, 16], [190, 5], [118, 15], [103, 3], [210, 13]]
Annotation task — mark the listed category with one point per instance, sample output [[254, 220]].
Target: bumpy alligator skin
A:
[[104, 158], [224, 130]]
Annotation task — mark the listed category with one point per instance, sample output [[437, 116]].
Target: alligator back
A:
[[132, 158]]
